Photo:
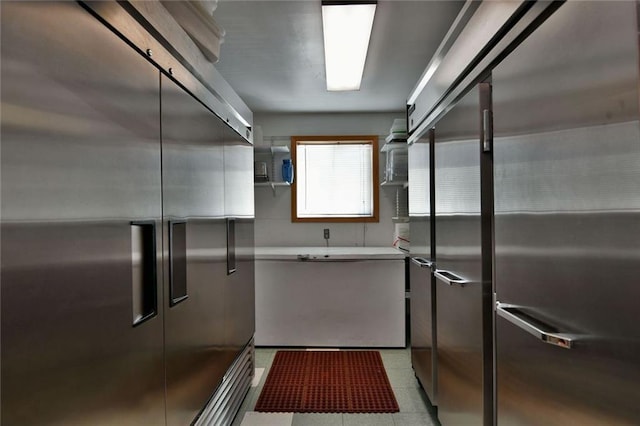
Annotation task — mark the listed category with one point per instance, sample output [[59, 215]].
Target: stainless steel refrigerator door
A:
[[423, 331], [80, 163], [458, 250], [423, 343], [239, 208], [195, 237], [567, 223]]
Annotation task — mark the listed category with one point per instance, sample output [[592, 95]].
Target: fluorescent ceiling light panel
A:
[[347, 30]]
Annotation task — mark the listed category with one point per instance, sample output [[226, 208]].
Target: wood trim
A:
[[294, 185], [295, 141], [334, 138]]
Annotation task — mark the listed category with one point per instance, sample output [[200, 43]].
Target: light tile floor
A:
[[415, 409]]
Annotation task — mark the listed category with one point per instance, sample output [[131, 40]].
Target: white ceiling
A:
[[273, 54]]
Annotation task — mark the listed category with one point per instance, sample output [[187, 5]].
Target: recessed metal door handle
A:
[[231, 246], [422, 262], [515, 316], [487, 130], [144, 268], [177, 262], [450, 278]]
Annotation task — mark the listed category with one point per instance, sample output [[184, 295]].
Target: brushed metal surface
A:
[[458, 249], [459, 321], [148, 26], [488, 36], [476, 26], [422, 333], [238, 176], [240, 290], [80, 161], [239, 204], [419, 181], [193, 191], [423, 343], [225, 403], [567, 226]]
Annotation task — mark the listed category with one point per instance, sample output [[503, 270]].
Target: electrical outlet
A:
[[326, 233]]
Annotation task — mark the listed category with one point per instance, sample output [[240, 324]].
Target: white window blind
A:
[[334, 179]]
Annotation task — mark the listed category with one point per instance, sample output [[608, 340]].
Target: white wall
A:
[[273, 226]]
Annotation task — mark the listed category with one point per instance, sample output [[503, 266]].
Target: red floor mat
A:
[[327, 382]]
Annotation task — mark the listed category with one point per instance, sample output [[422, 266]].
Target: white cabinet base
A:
[[354, 303]]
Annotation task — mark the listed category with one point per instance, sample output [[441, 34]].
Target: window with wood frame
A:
[[336, 179]]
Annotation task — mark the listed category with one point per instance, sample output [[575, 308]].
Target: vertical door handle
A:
[[231, 246], [177, 262], [487, 130], [144, 287]]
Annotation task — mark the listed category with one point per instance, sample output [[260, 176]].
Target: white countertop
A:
[[328, 253]]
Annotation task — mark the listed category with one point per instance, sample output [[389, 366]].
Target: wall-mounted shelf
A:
[[396, 169], [273, 185], [274, 155], [394, 144], [279, 149], [400, 219], [402, 183]]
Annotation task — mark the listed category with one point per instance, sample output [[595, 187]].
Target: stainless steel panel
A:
[[239, 205], [567, 223], [423, 332], [458, 250], [474, 27], [487, 35], [225, 403], [238, 174], [193, 191], [419, 195], [422, 329], [240, 290], [459, 322], [192, 156], [80, 161], [150, 28]]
